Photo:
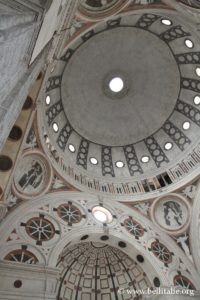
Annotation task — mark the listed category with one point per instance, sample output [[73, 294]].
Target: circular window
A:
[[84, 237], [161, 252], [5, 163], [186, 125], [71, 148], [156, 282], [189, 44], [93, 161], [166, 22], [145, 159], [40, 229], [198, 71], [17, 284], [122, 244], [55, 127], [28, 103], [134, 228], [116, 84], [140, 258], [69, 213], [119, 164], [48, 100], [15, 133], [22, 256], [197, 100], [104, 237], [183, 282], [102, 214], [168, 146]]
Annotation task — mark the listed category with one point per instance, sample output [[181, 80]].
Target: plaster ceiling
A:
[[117, 119], [99, 271], [144, 131]]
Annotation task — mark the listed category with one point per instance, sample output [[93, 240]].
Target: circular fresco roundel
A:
[[32, 176], [97, 5], [171, 213]]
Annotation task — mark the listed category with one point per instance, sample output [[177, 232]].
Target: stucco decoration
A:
[[42, 226], [120, 143], [58, 183], [3, 211], [32, 176], [191, 3], [171, 213], [31, 140]]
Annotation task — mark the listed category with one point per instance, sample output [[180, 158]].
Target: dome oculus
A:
[[55, 127], [189, 44], [93, 161], [198, 71], [186, 125], [71, 148], [48, 100], [168, 146], [119, 164], [102, 214], [145, 159], [197, 100], [116, 84], [166, 22]]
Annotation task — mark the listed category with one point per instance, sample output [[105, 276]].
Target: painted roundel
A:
[[171, 213], [69, 213], [183, 282], [33, 175], [134, 228], [161, 252], [40, 229], [22, 256], [97, 4]]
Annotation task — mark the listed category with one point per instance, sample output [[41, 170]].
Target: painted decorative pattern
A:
[[173, 33], [156, 152], [188, 58], [147, 20], [134, 228], [107, 164], [190, 84], [189, 111], [53, 111], [82, 155], [69, 213], [132, 160], [21, 256], [64, 136], [180, 139], [40, 229], [53, 83], [183, 282], [161, 252]]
